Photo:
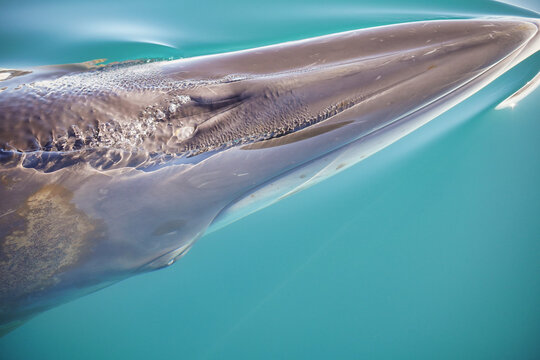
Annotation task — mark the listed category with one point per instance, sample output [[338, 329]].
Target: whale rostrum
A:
[[109, 171]]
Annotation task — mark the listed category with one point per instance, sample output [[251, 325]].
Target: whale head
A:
[[106, 172]]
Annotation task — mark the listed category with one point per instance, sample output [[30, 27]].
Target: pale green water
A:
[[428, 249]]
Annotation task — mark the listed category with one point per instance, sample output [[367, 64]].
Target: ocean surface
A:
[[429, 249]]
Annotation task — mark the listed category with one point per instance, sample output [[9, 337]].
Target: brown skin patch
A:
[[13, 73], [45, 236]]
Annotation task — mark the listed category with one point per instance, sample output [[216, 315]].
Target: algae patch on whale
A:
[[46, 235]]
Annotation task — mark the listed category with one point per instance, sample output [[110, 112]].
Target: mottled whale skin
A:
[[106, 172]]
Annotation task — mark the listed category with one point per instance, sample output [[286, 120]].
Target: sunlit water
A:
[[428, 249]]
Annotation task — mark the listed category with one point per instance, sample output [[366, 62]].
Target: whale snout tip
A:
[[526, 26]]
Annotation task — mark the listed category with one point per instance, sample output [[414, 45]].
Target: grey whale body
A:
[[106, 172]]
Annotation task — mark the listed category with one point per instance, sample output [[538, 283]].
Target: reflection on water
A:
[[519, 95]]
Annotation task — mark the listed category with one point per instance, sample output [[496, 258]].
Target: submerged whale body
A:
[[106, 172]]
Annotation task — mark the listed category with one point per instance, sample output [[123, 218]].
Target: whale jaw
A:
[[102, 177]]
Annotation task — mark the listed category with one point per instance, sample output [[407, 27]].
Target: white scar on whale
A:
[[107, 172]]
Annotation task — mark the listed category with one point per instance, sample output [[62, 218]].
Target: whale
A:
[[108, 171]]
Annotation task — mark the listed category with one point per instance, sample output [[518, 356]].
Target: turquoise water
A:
[[428, 249]]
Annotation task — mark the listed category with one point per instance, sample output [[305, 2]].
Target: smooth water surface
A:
[[428, 249]]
